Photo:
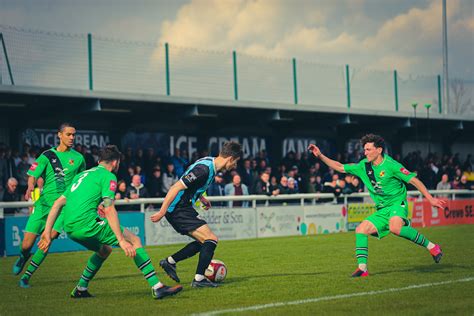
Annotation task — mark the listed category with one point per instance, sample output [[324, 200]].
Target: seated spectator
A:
[[469, 174], [463, 184], [283, 186], [136, 190], [169, 178], [217, 188], [236, 188], [11, 194], [121, 194], [155, 184], [292, 189], [315, 184], [444, 183]]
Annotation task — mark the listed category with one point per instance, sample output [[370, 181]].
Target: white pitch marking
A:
[[329, 298]]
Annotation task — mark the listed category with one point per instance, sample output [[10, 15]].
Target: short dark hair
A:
[[378, 141], [231, 149], [64, 125], [109, 153]]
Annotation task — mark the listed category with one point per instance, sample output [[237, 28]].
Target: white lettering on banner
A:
[[296, 145], [48, 138], [251, 146], [16, 236], [183, 142]]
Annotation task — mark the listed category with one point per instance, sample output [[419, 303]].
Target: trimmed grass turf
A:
[[263, 271]]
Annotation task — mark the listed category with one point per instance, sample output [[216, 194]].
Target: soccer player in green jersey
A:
[[57, 166], [78, 206], [384, 179]]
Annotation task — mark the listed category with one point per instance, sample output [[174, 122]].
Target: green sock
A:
[[35, 262], [143, 262], [412, 234], [362, 248], [93, 265]]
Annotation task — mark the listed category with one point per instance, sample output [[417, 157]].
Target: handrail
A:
[[254, 198]]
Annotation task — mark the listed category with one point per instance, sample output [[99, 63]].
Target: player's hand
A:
[[127, 248], [45, 241], [206, 204], [28, 193], [100, 211], [314, 150], [441, 204], [155, 218]]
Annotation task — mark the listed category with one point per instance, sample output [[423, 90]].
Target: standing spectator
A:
[[11, 166], [469, 174], [262, 186], [463, 184], [22, 169], [136, 190], [139, 171], [11, 194], [237, 188], [155, 183], [315, 184], [217, 188], [90, 162], [246, 173], [169, 178]]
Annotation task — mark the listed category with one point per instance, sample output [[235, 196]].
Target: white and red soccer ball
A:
[[216, 271]]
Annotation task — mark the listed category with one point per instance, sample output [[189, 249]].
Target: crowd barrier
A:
[[266, 217]]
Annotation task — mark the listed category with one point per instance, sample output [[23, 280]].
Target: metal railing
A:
[[302, 197]]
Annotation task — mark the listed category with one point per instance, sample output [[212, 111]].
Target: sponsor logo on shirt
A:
[[405, 171], [33, 166], [190, 177], [113, 185], [71, 162], [382, 173]]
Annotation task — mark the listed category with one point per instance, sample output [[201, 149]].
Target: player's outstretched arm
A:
[[31, 187], [45, 240], [170, 196], [336, 165], [422, 188], [111, 215]]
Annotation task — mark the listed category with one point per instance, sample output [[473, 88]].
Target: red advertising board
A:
[[456, 212]]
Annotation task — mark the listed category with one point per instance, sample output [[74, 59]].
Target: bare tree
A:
[[460, 101]]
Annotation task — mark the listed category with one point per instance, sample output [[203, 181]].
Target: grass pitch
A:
[[265, 271]]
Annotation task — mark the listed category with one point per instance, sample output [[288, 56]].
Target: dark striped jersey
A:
[[196, 179]]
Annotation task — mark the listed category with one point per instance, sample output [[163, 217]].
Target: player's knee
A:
[[213, 237], [362, 229], [104, 251], [395, 228]]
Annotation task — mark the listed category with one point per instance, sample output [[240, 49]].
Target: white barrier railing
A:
[[302, 197]]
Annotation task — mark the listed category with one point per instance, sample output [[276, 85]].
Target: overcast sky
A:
[[382, 34]]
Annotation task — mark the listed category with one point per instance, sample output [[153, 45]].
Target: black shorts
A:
[[185, 220]]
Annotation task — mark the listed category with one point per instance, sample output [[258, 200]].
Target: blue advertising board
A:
[[15, 226]]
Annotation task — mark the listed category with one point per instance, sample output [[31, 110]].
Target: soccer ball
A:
[[216, 271]]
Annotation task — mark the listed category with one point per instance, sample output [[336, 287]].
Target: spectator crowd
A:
[[144, 174]]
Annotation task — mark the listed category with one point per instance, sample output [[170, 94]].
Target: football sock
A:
[[412, 234], [362, 249], [143, 262], [430, 245], [35, 262], [93, 265], [199, 277], [186, 252], [205, 257]]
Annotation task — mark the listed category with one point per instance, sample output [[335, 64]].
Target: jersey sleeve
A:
[[109, 185], [354, 168], [38, 167], [196, 177], [400, 172]]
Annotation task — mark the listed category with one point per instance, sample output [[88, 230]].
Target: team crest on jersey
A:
[[71, 162], [382, 173], [33, 166], [190, 177], [405, 171], [113, 185]]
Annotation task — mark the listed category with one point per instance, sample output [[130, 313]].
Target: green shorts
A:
[[37, 220], [381, 218], [95, 236]]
